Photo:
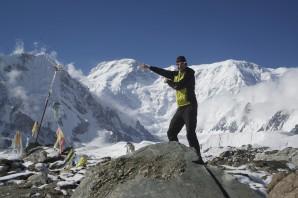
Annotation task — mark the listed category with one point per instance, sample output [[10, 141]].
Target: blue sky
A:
[[155, 32]]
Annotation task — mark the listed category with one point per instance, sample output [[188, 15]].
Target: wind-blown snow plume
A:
[[74, 72], [19, 48]]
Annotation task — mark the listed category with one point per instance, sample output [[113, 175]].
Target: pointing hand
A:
[[144, 67]]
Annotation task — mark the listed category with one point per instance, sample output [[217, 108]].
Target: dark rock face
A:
[[276, 122], [223, 125], [160, 171], [294, 130]]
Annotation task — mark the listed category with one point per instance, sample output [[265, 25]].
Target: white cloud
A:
[[266, 99], [19, 92], [15, 90], [13, 77], [53, 54], [75, 73], [279, 94]]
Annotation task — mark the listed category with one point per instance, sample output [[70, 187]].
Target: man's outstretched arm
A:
[[163, 72]]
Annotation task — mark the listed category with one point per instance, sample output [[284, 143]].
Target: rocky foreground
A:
[[42, 172], [159, 170]]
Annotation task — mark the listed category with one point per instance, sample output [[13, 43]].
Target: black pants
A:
[[185, 115]]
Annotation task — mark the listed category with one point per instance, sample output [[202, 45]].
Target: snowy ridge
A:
[[229, 75], [25, 80]]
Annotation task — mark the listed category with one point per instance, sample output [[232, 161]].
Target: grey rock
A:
[[161, 171], [4, 161], [38, 179], [17, 165], [67, 184], [57, 164], [41, 167], [3, 170], [38, 156], [284, 156], [20, 176]]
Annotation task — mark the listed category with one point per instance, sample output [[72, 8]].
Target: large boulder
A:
[[38, 156], [284, 185], [38, 179], [42, 154], [162, 170]]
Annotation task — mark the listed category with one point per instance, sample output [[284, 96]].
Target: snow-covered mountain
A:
[[233, 96], [24, 82], [119, 101]]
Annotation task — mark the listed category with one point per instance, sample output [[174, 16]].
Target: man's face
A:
[[181, 65]]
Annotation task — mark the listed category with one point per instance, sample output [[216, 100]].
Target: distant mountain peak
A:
[[125, 63], [25, 79]]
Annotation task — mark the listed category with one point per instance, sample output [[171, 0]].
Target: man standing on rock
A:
[[183, 81]]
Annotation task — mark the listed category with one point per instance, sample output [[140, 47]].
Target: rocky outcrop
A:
[[284, 185], [294, 130], [269, 160], [237, 156], [283, 159], [161, 171]]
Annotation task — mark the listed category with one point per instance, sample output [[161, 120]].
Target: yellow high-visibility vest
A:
[[181, 95]]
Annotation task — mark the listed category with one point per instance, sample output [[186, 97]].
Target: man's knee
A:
[[172, 136]]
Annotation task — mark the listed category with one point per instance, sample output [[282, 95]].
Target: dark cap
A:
[[180, 59]]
